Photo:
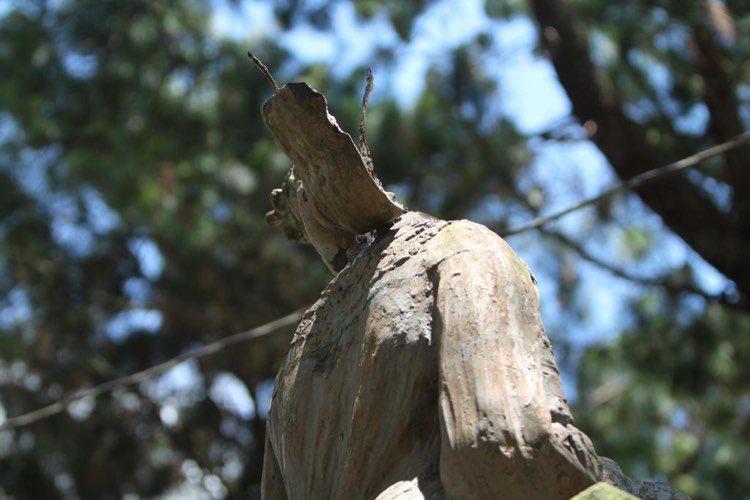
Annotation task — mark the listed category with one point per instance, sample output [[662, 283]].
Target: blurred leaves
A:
[[134, 187], [134, 174]]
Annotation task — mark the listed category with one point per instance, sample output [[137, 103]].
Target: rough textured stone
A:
[[423, 371], [603, 491], [336, 195]]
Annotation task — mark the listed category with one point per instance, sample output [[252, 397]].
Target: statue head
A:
[[330, 195]]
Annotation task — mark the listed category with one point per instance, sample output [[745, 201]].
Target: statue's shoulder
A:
[[466, 244], [466, 236], [418, 240]]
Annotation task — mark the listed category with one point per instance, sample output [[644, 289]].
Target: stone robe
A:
[[423, 371]]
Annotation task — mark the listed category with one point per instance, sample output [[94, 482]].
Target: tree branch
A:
[[685, 208], [363, 147], [725, 122], [664, 282]]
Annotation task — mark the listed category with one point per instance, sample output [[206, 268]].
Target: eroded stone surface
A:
[[361, 400]]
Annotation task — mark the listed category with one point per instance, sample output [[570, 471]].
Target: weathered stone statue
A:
[[423, 371]]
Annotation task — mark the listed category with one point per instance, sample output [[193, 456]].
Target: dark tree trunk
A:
[[720, 237]]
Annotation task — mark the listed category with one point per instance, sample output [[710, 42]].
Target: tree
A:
[[635, 120], [135, 178], [135, 172], [423, 370], [639, 119]]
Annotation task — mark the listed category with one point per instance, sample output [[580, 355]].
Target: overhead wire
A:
[[292, 318], [635, 182], [148, 373]]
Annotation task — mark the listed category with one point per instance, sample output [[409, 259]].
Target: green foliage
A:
[[671, 397], [134, 174], [137, 131]]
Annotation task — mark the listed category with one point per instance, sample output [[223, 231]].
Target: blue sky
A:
[[528, 94]]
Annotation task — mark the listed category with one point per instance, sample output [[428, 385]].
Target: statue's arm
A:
[[272, 484], [498, 436]]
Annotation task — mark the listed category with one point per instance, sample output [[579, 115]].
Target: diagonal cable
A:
[[636, 182], [147, 373], [294, 317]]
